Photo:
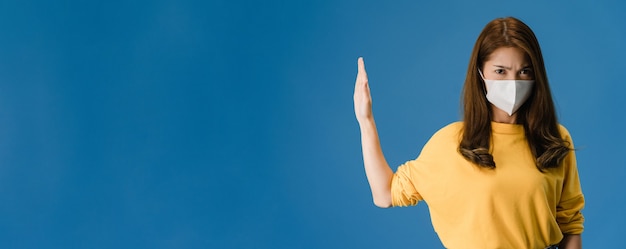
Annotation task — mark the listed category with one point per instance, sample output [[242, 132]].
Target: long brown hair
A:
[[537, 114]]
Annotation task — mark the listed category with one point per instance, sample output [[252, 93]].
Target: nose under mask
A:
[[508, 95]]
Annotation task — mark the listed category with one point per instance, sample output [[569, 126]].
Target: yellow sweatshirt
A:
[[512, 206]]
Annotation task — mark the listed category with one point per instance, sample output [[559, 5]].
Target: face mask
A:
[[508, 95]]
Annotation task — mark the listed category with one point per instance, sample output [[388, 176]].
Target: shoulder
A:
[[443, 143], [449, 133], [453, 129], [565, 133]]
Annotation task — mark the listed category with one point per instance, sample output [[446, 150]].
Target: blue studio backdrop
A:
[[229, 124]]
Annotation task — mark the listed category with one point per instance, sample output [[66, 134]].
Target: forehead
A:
[[507, 56]]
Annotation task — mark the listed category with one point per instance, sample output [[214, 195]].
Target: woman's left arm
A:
[[571, 201], [571, 241]]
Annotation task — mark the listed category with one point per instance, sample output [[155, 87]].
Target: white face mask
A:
[[508, 95]]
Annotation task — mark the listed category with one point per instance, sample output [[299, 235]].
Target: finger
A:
[[361, 66]]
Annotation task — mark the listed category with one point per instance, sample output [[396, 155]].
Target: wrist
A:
[[366, 123]]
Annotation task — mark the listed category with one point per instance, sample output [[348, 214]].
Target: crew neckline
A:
[[504, 128]]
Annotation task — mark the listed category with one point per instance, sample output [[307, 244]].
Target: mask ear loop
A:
[[484, 82], [481, 74]]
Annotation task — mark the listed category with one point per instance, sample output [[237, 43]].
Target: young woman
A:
[[505, 176]]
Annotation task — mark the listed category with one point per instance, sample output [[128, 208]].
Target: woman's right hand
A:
[[362, 96], [376, 167]]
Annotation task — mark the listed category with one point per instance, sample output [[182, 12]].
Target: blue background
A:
[[229, 124]]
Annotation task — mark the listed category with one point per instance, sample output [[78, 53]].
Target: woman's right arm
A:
[[378, 172]]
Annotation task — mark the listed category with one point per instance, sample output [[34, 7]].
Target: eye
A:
[[525, 71], [499, 71]]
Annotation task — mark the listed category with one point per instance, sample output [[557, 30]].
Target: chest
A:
[[516, 177]]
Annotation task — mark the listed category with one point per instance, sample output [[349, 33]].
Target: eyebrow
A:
[[509, 68]]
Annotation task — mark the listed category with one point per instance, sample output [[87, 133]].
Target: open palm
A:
[[362, 96]]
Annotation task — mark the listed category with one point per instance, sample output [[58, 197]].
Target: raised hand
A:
[[362, 96], [376, 167]]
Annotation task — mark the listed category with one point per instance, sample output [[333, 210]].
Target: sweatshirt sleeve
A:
[[415, 174], [403, 190], [568, 210]]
